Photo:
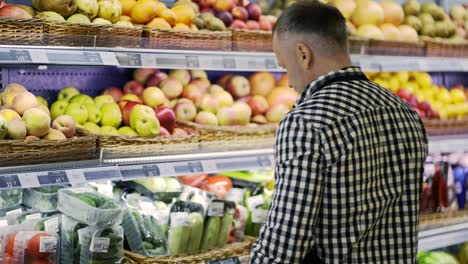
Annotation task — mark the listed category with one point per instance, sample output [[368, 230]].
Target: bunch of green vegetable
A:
[[69, 242], [10, 198], [101, 246], [43, 199]]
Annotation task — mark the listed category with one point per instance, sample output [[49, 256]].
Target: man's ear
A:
[[304, 55]]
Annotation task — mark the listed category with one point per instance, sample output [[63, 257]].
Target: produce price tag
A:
[[35, 216], [259, 216], [129, 59], [264, 161], [233, 260], [47, 244], [53, 177], [216, 209], [151, 170], [192, 61], [51, 225], [21, 55], [9, 181], [14, 212], [255, 201], [189, 167], [99, 244], [180, 219], [229, 63], [235, 195], [3, 222], [270, 64]]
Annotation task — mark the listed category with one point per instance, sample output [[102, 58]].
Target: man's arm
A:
[[288, 234]]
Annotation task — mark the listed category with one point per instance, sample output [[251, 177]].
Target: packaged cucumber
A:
[[43, 199], [10, 199], [70, 247], [35, 247], [258, 206], [185, 228], [195, 195], [89, 206], [161, 189], [241, 214], [218, 223], [145, 226], [101, 245]]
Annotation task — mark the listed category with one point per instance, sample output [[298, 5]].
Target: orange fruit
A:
[[159, 23], [127, 6], [181, 27], [160, 9], [143, 12], [125, 18], [184, 14], [169, 16]]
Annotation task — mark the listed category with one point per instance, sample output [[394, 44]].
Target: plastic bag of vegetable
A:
[[101, 245], [195, 195], [218, 223], [24, 216], [89, 206], [162, 189], [35, 247], [185, 228], [145, 226], [10, 199], [241, 214], [7, 237], [258, 206], [69, 245], [43, 199], [49, 224]]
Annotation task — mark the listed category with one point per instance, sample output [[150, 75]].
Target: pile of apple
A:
[[429, 100], [237, 14], [25, 116]]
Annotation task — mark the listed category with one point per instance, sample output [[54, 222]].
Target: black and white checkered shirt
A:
[[348, 177]]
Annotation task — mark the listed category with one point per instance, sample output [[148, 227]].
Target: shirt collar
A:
[[344, 74]]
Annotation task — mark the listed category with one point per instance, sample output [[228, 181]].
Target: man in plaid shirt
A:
[[349, 156]]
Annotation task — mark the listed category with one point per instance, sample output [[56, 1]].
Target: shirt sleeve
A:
[[288, 234]]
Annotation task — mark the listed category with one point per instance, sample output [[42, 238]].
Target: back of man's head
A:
[[319, 23]]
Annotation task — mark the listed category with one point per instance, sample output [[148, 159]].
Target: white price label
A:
[[255, 201], [14, 212], [80, 190], [216, 209], [3, 222], [47, 244], [35, 216], [235, 195], [51, 225], [259, 216], [180, 219], [105, 189], [99, 244]]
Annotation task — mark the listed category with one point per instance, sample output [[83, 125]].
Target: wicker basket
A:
[[19, 152], [227, 133], [71, 34], [21, 31], [436, 127], [443, 48], [231, 250], [396, 48], [252, 40], [191, 40], [358, 45], [116, 36], [439, 219]]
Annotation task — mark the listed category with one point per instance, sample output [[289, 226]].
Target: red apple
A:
[[227, 116], [420, 113], [203, 84], [172, 88], [223, 81], [276, 113], [208, 103], [238, 24], [153, 96], [156, 79], [224, 98], [127, 110], [259, 119], [206, 118], [252, 25], [272, 20], [413, 101], [206, 4], [223, 5], [265, 24], [166, 117], [226, 17], [133, 87], [182, 75], [425, 106], [192, 92], [163, 132], [238, 86], [254, 11], [262, 83], [283, 95], [207, 10], [14, 11], [239, 12], [185, 111], [403, 94], [141, 75], [115, 92], [258, 104], [179, 132]]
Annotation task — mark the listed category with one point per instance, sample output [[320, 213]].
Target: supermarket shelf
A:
[[443, 236], [206, 60], [438, 144]]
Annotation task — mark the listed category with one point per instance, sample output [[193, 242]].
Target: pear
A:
[[89, 8], [64, 8]]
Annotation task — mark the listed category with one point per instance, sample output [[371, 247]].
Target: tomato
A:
[[219, 185], [10, 246], [193, 180], [8, 259], [34, 244]]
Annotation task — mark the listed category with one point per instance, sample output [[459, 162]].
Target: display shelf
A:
[[437, 238], [452, 143], [206, 60]]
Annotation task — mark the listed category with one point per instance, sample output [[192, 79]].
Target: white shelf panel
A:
[[206, 60], [443, 237]]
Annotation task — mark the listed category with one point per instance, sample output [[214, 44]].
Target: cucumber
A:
[[196, 232], [225, 228], [211, 231], [178, 239]]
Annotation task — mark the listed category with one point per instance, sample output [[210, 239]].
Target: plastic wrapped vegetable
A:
[[162, 189], [10, 199], [145, 226], [195, 195], [258, 206], [49, 224], [32, 247], [43, 199], [70, 247], [101, 246], [186, 227], [219, 221], [240, 216], [89, 206], [28, 215], [8, 235]]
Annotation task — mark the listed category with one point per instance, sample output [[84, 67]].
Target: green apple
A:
[[67, 93], [94, 115], [127, 131], [58, 108], [91, 127], [78, 112], [102, 99], [143, 120], [108, 130], [111, 115], [82, 99], [42, 101]]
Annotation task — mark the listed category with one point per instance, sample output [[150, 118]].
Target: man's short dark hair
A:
[[310, 17]]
